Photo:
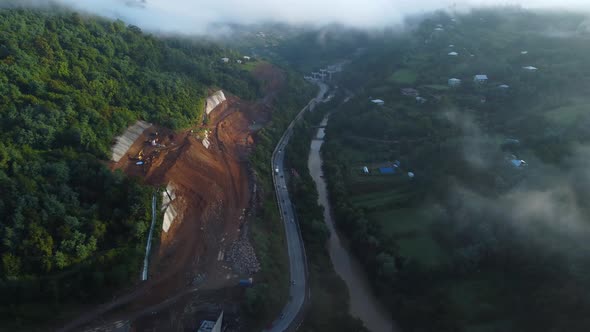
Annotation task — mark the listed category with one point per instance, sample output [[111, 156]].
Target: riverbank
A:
[[363, 303], [327, 308]]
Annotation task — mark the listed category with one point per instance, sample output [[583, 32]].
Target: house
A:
[[454, 82], [212, 326], [524, 52], [451, 46], [421, 100], [503, 86], [386, 170], [530, 68], [410, 92], [378, 102], [518, 163], [365, 170], [439, 29], [225, 60], [411, 175], [512, 141], [239, 61], [453, 53], [247, 58], [397, 163], [480, 78]]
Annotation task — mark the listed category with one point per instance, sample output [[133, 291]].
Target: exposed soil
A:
[[213, 188]]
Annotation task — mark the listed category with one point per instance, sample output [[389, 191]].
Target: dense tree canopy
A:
[[69, 227]]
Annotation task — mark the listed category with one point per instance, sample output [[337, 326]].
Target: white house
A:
[[524, 52], [378, 102], [503, 86], [451, 46], [453, 53], [480, 78], [239, 61], [411, 175], [454, 82], [225, 60], [247, 58], [365, 170], [529, 68], [439, 29]]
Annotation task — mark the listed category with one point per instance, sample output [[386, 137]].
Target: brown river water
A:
[[363, 303]]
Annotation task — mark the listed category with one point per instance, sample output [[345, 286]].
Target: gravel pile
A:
[[242, 257]]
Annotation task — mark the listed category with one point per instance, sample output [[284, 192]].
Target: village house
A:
[[454, 82], [225, 60], [378, 102], [530, 68], [480, 78], [410, 92], [453, 53]]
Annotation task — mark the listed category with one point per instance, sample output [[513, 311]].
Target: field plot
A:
[[403, 76]]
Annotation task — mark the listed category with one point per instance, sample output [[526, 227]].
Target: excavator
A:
[[139, 157]]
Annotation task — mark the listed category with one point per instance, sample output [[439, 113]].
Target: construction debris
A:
[[242, 257]]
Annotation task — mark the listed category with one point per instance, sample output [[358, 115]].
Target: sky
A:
[[196, 16]]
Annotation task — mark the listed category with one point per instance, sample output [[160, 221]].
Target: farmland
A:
[[478, 234]]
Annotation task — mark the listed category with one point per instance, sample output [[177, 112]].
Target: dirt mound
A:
[[213, 197]]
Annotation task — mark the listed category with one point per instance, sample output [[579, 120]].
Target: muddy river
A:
[[363, 304]]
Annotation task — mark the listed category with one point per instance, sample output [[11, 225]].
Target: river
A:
[[363, 303]]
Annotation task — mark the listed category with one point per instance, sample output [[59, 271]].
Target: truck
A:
[[246, 282]]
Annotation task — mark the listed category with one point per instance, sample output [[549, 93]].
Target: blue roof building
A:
[[386, 170]]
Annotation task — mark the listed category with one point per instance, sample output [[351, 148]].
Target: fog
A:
[[197, 16], [546, 203]]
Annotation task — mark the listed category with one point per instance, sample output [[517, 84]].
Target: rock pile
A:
[[242, 257]]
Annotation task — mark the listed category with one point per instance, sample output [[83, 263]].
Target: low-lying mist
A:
[[197, 17], [546, 203]]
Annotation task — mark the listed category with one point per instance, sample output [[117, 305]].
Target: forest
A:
[[481, 224], [71, 230]]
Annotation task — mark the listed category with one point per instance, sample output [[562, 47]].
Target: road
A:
[[297, 261]]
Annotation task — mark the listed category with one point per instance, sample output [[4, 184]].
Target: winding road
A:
[[290, 315]]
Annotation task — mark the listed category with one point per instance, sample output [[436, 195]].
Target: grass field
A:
[[410, 226], [436, 87], [403, 76], [250, 65]]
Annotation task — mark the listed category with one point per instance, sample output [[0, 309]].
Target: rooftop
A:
[[386, 170]]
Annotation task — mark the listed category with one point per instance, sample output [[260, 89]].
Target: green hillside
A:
[[72, 231], [479, 244]]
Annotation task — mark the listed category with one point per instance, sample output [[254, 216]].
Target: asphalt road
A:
[[297, 261]]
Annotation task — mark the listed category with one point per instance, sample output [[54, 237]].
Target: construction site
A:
[[207, 187]]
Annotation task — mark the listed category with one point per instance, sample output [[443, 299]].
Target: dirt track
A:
[[213, 188]]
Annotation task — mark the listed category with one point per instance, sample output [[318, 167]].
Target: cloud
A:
[[196, 16], [545, 203]]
